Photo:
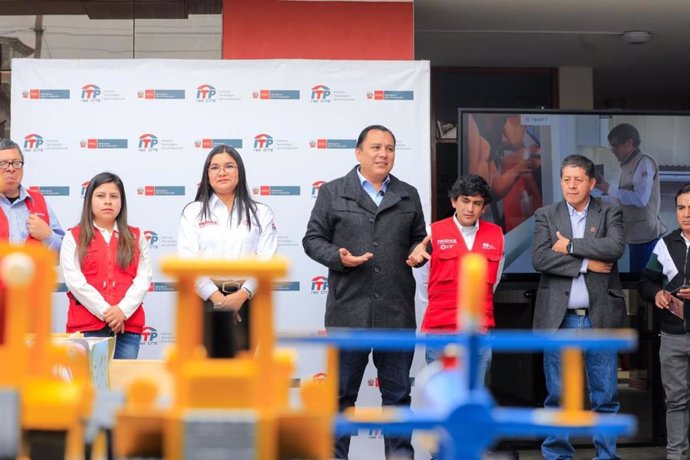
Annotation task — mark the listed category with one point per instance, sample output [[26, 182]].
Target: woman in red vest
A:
[[107, 268]]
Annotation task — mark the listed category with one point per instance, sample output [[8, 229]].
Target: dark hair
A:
[[126, 246], [684, 189], [579, 161], [470, 185], [7, 144], [365, 131], [243, 200], [623, 133]]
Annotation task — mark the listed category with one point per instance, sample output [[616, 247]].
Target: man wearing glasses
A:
[[638, 193], [24, 214]]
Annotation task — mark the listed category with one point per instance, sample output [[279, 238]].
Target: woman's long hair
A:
[[246, 206], [126, 245]]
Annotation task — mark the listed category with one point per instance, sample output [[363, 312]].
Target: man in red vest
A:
[[451, 239], [24, 214]]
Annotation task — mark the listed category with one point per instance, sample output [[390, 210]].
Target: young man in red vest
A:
[[24, 214], [451, 239]]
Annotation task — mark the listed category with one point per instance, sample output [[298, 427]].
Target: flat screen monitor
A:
[[519, 152]]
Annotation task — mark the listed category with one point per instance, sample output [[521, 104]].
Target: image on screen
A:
[[519, 154]]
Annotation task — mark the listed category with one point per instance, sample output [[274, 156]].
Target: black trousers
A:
[[223, 336]]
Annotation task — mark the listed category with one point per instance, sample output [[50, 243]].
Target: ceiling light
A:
[[636, 37]]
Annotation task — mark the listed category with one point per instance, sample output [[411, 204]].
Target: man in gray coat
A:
[[363, 227], [576, 245]]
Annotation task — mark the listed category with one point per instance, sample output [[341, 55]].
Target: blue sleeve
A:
[[54, 241]]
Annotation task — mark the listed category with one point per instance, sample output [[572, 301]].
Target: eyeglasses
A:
[[16, 164], [215, 169]]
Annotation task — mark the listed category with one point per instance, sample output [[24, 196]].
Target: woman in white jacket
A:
[[224, 221]]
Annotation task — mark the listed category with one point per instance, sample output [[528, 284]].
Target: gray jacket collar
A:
[[353, 191], [592, 223]]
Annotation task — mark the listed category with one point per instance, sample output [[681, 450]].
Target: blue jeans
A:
[[639, 255], [126, 343], [393, 368], [432, 354], [601, 369]]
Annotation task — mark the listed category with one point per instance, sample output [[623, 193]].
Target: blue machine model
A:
[[462, 413]]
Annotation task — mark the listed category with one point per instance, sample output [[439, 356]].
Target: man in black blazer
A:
[[664, 282], [577, 243], [363, 227]]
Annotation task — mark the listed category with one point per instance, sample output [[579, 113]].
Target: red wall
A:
[[272, 29]]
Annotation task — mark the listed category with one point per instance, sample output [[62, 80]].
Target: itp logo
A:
[[263, 142], [205, 93], [90, 92], [320, 93], [84, 185], [375, 433], [319, 285], [148, 142], [152, 238], [149, 335], [33, 142], [315, 186]]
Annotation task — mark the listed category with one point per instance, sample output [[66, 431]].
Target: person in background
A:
[[106, 265], [577, 243], [638, 193], [363, 227], [451, 239], [25, 217], [224, 221], [665, 281]]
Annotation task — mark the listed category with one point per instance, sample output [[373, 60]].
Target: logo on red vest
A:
[[447, 243]]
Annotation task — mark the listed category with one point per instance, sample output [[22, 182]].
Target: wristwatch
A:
[[249, 293], [570, 248]]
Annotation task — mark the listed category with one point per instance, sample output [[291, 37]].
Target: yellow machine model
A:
[[228, 407], [50, 410], [239, 408]]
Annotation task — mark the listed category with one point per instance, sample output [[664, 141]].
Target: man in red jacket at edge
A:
[[451, 239], [24, 214]]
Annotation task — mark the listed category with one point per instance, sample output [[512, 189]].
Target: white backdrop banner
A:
[[152, 122]]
